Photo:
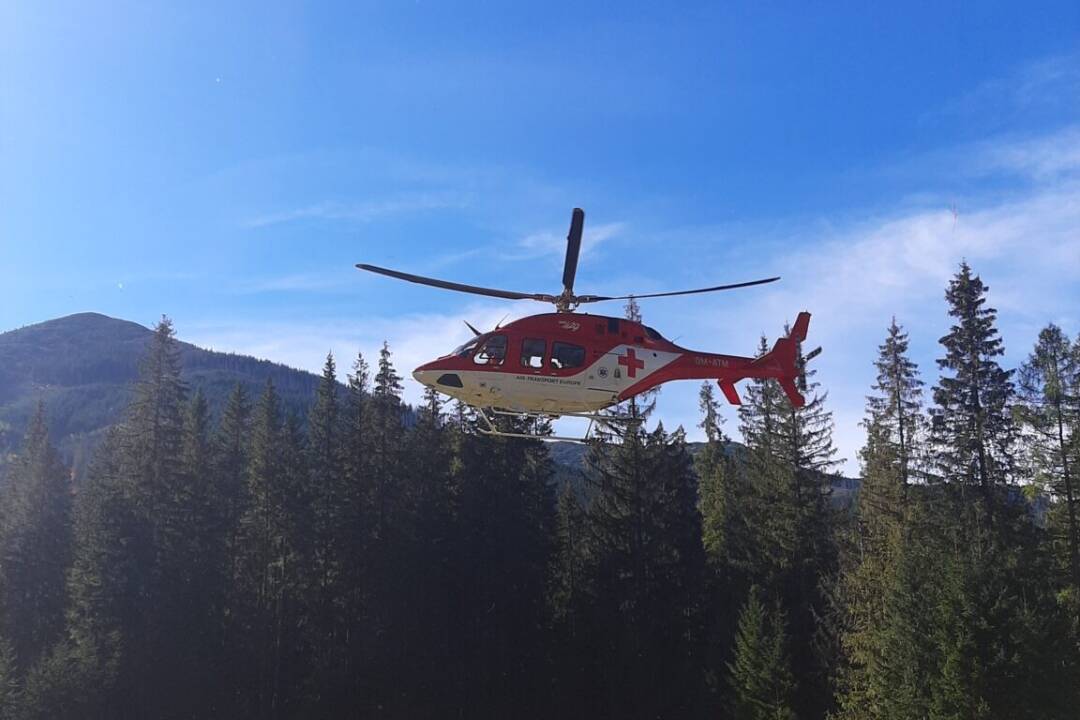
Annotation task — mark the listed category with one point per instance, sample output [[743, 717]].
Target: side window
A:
[[532, 352], [492, 352], [565, 356]]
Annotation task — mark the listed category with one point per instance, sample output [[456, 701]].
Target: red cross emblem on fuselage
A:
[[631, 362]]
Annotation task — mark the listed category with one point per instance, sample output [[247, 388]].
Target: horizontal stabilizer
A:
[[796, 397], [728, 388]]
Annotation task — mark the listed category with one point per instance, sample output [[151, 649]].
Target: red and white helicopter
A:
[[567, 364]]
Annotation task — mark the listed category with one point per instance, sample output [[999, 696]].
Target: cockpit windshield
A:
[[467, 348], [652, 334]]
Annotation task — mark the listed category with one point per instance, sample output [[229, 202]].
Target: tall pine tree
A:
[[646, 559], [35, 548], [972, 427], [1049, 389], [270, 583], [759, 674], [894, 428]]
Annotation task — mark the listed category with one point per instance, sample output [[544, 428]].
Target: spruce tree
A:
[[790, 454], [269, 586], [386, 437], [894, 444], [355, 516], [725, 504], [230, 459], [895, 409], [769, 503], [389, 527], [759, 674], [644, 533], [35, 548], [357, 421], [891, 667], [716, 482], [201, 559], [326, 467], [1049, 392], [997, 615], [973, 432], [569, 578], [112, 563], [127, 585], [502, 538]]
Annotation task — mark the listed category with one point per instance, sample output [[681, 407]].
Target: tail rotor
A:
[[800, 365]]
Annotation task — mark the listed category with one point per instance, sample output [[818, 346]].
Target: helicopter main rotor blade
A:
[[460, 287], [573, 249], [600, 298]]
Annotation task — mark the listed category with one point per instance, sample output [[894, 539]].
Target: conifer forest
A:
[[368, 560]]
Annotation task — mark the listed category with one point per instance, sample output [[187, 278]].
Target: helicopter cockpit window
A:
[[652, 334], [532, 352], [565, 355], [466, 348], [492, 352]]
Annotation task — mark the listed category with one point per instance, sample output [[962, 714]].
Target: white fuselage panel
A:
[[543, 390]]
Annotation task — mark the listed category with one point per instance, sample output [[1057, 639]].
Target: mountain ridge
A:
[[82, 366]]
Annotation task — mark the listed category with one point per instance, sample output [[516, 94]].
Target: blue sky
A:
[[229, 165]]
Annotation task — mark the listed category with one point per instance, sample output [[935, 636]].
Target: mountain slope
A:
[[82, 366]]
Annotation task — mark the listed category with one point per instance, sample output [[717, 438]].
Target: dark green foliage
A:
[[271, 559], [35, 546], [502, 545], [1049, 389], [718, 489], [894, 412], [360, 558], [890, 459], [759, 674], [953, 610], [326, 488], [789, 545], [972, 426], [637, 605]]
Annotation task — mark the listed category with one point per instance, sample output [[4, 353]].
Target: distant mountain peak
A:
[[83, 367], [93, 322]]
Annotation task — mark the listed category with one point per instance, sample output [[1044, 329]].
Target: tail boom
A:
[[782, 364]]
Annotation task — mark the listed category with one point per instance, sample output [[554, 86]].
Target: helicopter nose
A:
[[434, 376], [427, 373]]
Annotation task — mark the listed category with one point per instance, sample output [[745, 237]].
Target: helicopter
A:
[[576, 364]]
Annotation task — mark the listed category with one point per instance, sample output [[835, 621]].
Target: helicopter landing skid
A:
[[595, 421]]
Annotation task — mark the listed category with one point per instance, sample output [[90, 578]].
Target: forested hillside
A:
[[243, 563], [83, 366]]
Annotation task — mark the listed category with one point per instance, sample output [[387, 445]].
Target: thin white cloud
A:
[[1051, 82], [855, 275], [548, 243], [297, 282], [359, 212], [1042, 158]]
